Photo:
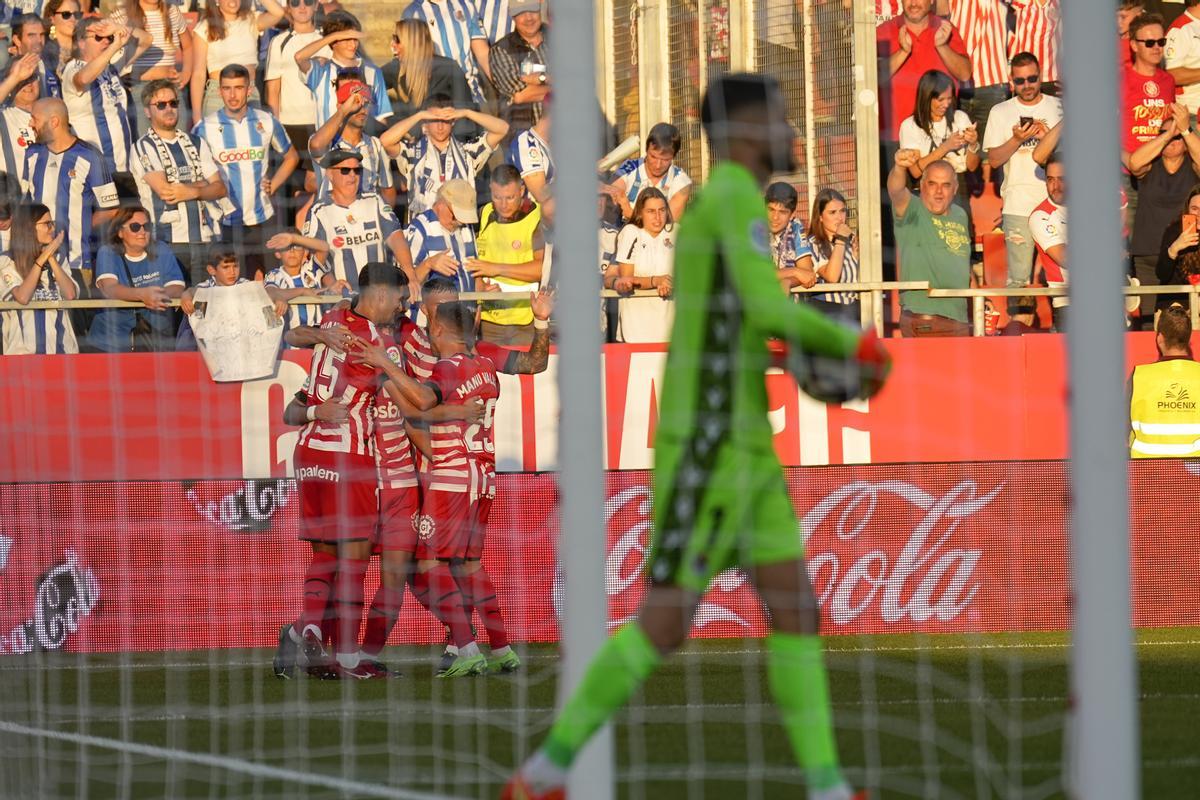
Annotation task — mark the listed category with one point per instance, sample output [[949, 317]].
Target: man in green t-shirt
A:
[[931, 233], [720, 497]]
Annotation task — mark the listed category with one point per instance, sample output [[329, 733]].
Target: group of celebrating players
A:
[[397, 458]]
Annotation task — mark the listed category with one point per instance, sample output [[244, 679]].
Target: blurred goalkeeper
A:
[[720, 496]]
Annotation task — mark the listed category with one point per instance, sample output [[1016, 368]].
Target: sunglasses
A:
[[1030, 80], [65, 15], [105, 39], [348, 170], [163, 105], [298, 3], [49, 223], [138, 227], [1152, 42]]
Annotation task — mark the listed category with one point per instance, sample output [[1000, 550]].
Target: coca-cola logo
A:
[[250, 507], [63, 596], [929, 578]]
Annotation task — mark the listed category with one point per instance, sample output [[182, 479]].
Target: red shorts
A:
[[338, 495], [452, 525], [399, 513]]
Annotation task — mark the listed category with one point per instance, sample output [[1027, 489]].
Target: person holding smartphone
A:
[[1013, 131]]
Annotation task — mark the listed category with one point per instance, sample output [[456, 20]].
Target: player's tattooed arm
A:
[[535, 359], [296, 412]]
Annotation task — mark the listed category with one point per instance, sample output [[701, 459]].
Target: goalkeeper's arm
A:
[[741, 235]]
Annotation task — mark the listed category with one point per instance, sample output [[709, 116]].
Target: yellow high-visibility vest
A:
[[1164, 411], [508, 243]]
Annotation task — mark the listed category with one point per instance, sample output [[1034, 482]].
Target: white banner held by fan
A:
[[237, 331]]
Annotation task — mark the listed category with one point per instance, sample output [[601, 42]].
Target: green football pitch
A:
[[917, 716]]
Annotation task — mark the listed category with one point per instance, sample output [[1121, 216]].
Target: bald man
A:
[[931, 234], [72, 179]]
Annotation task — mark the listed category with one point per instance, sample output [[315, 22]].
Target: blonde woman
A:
[[169, 55], [228, 34], [417, 73]]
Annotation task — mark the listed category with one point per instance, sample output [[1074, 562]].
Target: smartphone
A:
[[1190, 222], [1026, 121]]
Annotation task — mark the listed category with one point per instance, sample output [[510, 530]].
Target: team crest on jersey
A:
[[760, 240], [259, 127], [1150, 89], [350, 218], [458, 15], [425, 527], [71, 174]]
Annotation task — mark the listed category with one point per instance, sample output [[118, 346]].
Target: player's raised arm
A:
[[537, 356]]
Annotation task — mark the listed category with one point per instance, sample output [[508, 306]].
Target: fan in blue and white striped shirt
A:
[[457, 34], [342, 34], [70, 177], [239, 143], [495, 19], [91, 86]]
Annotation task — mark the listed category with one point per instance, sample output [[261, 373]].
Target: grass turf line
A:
[[917, 716]]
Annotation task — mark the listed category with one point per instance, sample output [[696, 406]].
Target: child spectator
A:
[[646, 260], [298, 275]]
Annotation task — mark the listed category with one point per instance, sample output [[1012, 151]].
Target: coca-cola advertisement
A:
[[930, 548]]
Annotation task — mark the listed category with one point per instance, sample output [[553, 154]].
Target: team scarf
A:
[[210, 212]]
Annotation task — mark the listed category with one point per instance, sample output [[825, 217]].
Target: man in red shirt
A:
[[908, 46], [1147, 88]]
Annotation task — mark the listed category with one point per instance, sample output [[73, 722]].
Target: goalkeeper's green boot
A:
[[466, 666], [509, 662]]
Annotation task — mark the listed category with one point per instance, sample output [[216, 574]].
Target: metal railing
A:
[[875, 290]]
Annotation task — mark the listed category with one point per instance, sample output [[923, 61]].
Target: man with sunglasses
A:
[[92, 89], [350, 228], [1147, 89], [178, 180], [1014, 129]]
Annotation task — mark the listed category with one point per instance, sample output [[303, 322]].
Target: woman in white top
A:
[[30, 271], [228, 34], [169, 55], [646, 260], [941, 132]]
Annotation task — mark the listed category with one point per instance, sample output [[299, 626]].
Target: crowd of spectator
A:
[[267, 129]]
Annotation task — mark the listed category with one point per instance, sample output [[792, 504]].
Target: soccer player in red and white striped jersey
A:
[[336, 474], [1037, 31]]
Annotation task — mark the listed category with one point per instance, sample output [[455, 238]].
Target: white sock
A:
[[349, 660], [543, 775], [468, 650], [294, 634], [501, 652]]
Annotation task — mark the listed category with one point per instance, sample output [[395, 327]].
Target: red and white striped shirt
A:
[[1038, 32], [333, 376], [886, 9], [464, 454], [393, 450], [419, 358], [984, 28]]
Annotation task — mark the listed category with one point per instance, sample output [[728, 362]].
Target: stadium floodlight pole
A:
[[1103, 667], [575, 138]]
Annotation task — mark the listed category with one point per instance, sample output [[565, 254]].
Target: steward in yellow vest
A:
[[1164, 405], [511, 246]]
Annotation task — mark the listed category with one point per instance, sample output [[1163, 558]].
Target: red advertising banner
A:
[[133, 417], [933, 548]]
